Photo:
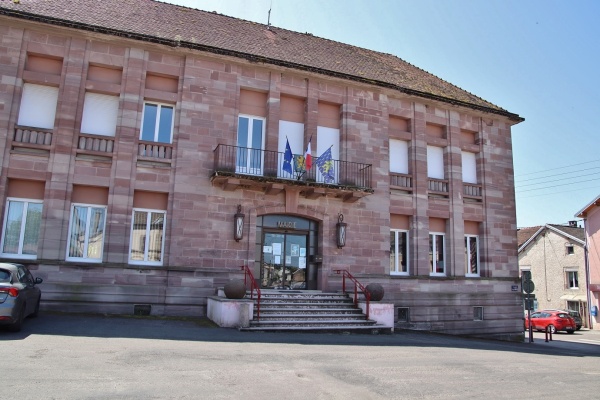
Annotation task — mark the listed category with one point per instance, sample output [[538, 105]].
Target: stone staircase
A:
[[310, 311]]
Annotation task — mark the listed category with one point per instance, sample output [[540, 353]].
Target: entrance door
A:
[[283, 264]]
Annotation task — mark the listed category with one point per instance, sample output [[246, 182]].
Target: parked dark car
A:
[[577, 318], [551, 320], [19, 295]]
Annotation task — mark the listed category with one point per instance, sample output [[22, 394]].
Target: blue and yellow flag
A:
[[325, 165]]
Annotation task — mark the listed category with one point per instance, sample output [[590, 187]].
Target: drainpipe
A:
[[587, 275]]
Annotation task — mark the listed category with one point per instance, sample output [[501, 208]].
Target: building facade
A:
[[591, 218], [555, 257], [134, 134]]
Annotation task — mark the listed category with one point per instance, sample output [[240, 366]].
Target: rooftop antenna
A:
[[269, 17]]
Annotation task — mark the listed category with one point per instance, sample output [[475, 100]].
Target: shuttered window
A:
[[38, 106], [100, 114]]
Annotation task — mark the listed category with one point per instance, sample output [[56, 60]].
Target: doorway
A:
[[283, 264]]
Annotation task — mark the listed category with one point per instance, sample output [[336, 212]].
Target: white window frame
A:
[[20, 254], [147, 237], [294, 133], [38, 106], [399, 156], [468, 272], [248, 168], [575, 283], [85, 258], [100, 112], [397, 266], [434, 251], [157, 121]]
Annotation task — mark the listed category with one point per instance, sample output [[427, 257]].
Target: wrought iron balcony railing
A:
[[234, 160]]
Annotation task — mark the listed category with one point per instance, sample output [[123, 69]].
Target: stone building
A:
[[555, 256], [133, 132]]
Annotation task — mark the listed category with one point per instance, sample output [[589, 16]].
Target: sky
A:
[[538, 59]]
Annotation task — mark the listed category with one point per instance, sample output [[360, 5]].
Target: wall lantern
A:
[[238, 224], [340, 231]]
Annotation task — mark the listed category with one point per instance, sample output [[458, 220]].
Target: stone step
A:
[[301, 318], [358, 329], [312, 322], [306, 304], [308, 310]]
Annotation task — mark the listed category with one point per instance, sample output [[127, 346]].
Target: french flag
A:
[[308, 156]]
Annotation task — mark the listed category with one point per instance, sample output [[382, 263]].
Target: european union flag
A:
[[325, 165], [287, 157]]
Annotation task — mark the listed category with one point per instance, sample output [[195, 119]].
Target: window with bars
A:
[[86, 233], [147, 237], [398, 252]]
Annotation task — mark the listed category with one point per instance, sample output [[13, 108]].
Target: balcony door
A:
[[250, 142]]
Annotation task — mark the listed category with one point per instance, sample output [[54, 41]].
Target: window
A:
[[435, 162], [437, 254], [100, 114], [147, 237], [399, 156], [398, 252], [477, 313], [570, 249], [469, 167], [250, 143], [157, 123], [403, 314], [21, 228], [38, 106], [472, 255], [86, 233], [572, 280]]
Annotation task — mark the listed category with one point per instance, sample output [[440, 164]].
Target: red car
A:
[[552, 320]]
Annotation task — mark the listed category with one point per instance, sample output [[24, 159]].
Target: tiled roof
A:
[[576, 232], [524, 234], [207, 31]]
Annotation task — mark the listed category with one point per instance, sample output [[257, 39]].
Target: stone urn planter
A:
[[235, 289], [375, 290]]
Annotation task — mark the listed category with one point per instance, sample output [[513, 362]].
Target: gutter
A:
[[250, 57]]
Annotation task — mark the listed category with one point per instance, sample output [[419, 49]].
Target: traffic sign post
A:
[[528, 287]]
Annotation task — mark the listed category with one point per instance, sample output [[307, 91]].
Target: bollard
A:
[[548, 334]]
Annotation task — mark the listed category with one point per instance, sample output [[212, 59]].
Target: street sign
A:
[[528, 286]]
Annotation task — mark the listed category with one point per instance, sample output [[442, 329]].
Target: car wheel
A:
[[36, 312], [578, 328], [570, 331], [550, 328], [18, 324]]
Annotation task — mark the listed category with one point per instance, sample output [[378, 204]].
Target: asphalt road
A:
[[94, 357]]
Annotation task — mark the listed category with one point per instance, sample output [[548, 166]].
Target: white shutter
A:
[[38, 106], [469, 167], [100, 114], [294, 133], [399, 156], [435, 162]]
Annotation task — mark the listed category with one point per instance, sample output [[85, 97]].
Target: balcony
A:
[[401, 182], [472, 192], [437, 187], [32, 137], [236, 167]]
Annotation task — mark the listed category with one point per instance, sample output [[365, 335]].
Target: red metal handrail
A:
[[357, 285], [248, 276]]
